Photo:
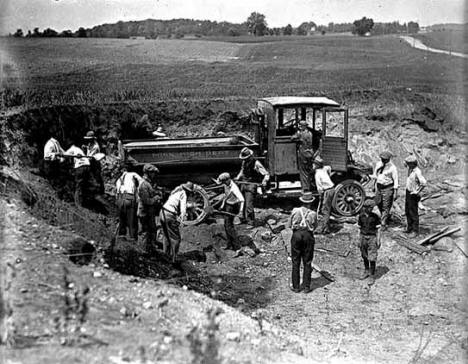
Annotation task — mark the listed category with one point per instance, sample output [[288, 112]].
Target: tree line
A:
[[255, 25]]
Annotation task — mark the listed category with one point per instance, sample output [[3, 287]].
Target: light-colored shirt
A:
[[305, 140], [386, 176], [126, 182], [232, 194], [51, 149], [322, 179], [92, 149], [415, 180], [177, 202], [77, 153], [302, 217]]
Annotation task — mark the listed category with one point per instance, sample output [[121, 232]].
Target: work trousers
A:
[[81, 183], [231, 233], [249, 192], [384, 201], [327, 201], [171, 229], [304, 165], [96, 171], [302, 249], [368, 247], [128, 215], [148, 226], [411, 212]]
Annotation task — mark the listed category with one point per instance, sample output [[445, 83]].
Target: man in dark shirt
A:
[[369, 223]]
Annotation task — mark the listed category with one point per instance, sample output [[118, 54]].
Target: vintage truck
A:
[[273, 123]]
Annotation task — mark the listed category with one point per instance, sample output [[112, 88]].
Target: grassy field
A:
[[450, 40], [61, 71]]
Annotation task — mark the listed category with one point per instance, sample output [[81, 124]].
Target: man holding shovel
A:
[[232, 204]]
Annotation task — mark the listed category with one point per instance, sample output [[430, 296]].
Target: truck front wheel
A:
[[349, 198]]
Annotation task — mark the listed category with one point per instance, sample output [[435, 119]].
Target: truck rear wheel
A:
[[349, 198], [197, 206]]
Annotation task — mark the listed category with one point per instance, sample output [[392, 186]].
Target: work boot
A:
[[371, 280], [364, 274], [295, 290], [412, 235], [307, 290]]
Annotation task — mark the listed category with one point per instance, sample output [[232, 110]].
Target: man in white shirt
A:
[[326, 190], [81, 166], [126, 198], [52, 162], [415, 183], [386, 186], [173, 212], [302, 221], [91, 149], [233, 204]]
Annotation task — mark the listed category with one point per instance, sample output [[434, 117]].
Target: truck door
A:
[[285, 156], [335, 138]]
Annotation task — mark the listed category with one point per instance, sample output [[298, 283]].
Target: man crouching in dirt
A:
[[302, 222], [149, 203], [369, 223], [172, 213]]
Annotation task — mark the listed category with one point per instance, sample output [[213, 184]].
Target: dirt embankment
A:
[[415, 311]]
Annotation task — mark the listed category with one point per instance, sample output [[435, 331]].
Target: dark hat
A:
[[149, 168], [307, 197], [188, 186], [385, 155], [246, 153], [90, 135], [369, 203]]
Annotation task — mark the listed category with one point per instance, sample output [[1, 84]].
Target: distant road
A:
[[416, 43]]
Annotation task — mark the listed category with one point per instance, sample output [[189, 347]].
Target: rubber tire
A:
[[340, 191]]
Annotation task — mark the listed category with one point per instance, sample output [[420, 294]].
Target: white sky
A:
[[71, 14]]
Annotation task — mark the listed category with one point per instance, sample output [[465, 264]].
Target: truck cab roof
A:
[[296, 101]]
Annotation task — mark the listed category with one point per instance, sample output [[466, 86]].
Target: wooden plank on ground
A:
[[401, 240], [427, 238]]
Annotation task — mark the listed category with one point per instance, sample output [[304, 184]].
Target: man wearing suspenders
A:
[[302, 221]]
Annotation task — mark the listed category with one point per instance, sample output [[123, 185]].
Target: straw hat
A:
[[149, 168], [318, 161], [246, 153], [223, 177], [188, 186], [90, 135], [307, 197], [411, 159]]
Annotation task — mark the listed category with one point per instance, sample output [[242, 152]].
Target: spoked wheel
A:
[[349, 198], [197, 206]]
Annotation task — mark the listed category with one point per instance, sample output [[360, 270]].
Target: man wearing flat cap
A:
[[91, 149], [149, 203], [233, 204], [386, 186], [173, 212], [415, 183], [369, 225], [306, 153], [251, 174]]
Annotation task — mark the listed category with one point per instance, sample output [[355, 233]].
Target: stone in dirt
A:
[[443, 244]]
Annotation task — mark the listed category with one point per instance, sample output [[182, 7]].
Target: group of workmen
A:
[[372, 220], [141, 202], [86, 166]]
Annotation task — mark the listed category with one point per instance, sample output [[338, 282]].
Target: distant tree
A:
[[81, 33], [256, 24], [362, 26], [306, 27], [36, 32], [29, 34], [66, 34], [233, 32], [288, 30], [323, 32], [18, 33], [49, 33], [413, 27]]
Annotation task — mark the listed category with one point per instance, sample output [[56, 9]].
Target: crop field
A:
[[449, 40], [64, 71]]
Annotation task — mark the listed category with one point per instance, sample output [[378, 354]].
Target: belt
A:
[[382, 187], [126, 195], [329, 188]]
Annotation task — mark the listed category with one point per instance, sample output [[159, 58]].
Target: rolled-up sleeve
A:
[[395, 177]]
